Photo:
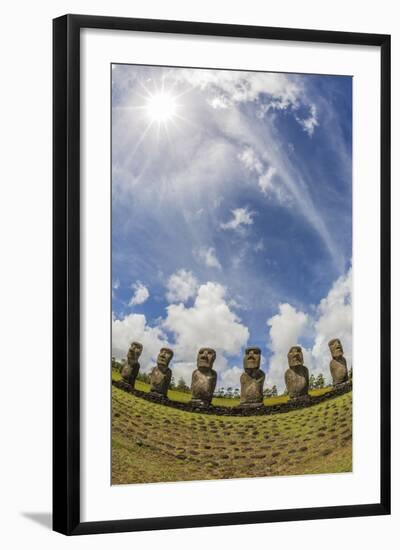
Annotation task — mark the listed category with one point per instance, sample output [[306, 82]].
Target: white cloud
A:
[[116, 283], [250, 160], [210, 322], [286, 327], [271, 91], [181, 286], [265, 180], [218, 103], [229, 87], [140, 294], [309, 124], [134, 327], [241, 216], [208, 256], [230, 378], [183, 369], [334, 321], [264, 170]]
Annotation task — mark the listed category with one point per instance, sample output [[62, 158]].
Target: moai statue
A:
[[252, 380], [204, 378], [296, 376], [130, 369], [338, 364], [160, 376]]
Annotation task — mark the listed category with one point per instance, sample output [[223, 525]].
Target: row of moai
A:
[[204, 378]]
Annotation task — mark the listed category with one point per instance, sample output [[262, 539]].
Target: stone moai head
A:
[[206, 358], [336, 348], [252, 359], [134, 352], [295, 357], [164, 357]]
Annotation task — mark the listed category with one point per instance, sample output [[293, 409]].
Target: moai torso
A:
[[338, 364], [203, 386], [252, 380], [296, 377], [129, 373], [161, 375], [251, 388], [131, 368], [160, 380], [338, 368], [204, 378], [297, 381]]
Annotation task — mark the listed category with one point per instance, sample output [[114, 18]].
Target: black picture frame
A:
[[66, 273]]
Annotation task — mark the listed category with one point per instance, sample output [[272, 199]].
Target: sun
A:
[[161, 107]]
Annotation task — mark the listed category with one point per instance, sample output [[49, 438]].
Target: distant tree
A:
[[312, 382], [320, 381], [274, 391], [229, 392], [351, 373], [122, 363], [144, 377], [267, 392], [236, 392], [172, 383], [182, 386]]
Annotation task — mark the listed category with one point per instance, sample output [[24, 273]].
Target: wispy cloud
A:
[[140, 294], [250, 160], [292, 189], [259, 246], [227, 88], [240, 217], [208, 256], [265, 172], [308, 124], [116, 284]]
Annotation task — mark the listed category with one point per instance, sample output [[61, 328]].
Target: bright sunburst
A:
[[161, 107], [162, 111]]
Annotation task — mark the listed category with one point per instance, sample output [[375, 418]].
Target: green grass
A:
[[154, 443], [183, 397]]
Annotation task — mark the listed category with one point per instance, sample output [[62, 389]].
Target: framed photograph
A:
[[221, 265]]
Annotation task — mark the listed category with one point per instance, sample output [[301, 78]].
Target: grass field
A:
[[154, 443]]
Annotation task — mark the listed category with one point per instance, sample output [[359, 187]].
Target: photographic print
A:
[[231, 274]]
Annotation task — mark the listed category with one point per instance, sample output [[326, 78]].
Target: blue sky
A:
[[231, 215]]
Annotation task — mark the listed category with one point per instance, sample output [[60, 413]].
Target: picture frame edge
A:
[[66, 274]]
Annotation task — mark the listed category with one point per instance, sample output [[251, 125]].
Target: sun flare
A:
[[161, 107]]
